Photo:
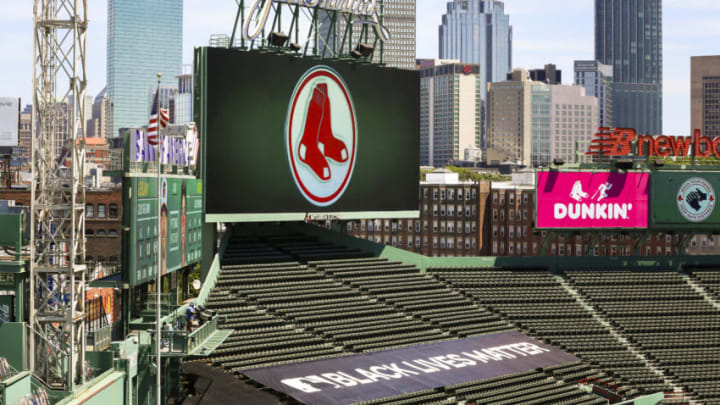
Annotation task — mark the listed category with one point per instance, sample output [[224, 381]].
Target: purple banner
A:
[[370, 376]]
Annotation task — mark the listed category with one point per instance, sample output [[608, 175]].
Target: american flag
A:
[[152, 130]]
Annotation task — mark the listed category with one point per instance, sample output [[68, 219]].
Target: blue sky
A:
[[551, 31]]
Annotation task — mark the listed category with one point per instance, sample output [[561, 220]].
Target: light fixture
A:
[[277, 38], [294, 46], [362, 51], [659, 163], [624, 164], [558, 162]]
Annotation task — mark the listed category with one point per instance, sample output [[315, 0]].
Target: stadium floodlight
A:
[[558, 162], [294, 46], [362, 51], [659, 162], [624, 164], [277, 38]]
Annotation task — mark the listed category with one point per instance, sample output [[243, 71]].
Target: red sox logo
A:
[[321, 136]]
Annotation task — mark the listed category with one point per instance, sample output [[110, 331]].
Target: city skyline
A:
[[689, 27]]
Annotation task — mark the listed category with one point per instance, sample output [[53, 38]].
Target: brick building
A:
[[452, 218], [495, 219], [103, 224]]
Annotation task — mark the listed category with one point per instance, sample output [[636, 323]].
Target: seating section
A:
[[407, 290], [669, 321], [290, 309], [710, 280], [538, 303]]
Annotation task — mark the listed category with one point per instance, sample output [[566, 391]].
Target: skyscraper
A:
[[398, 18], [144, 38], [597, 79], [478, 31], [533, 122], [449, 110], [705, 95], [628, 36]]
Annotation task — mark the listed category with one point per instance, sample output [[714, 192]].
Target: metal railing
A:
[[182, 342], [99, 339]]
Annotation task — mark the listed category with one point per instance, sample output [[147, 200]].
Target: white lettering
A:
[[574, 214], [560, 211], [369, 10]]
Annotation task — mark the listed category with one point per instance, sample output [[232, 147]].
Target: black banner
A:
[[366, 377]]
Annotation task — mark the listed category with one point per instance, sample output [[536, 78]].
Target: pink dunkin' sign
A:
[[592, 200]]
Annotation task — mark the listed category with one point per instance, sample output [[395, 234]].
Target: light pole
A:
[[158, 273]]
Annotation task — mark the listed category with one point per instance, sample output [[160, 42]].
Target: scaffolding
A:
[[57, 266]]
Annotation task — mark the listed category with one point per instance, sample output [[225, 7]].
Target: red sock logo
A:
[[321, 136]]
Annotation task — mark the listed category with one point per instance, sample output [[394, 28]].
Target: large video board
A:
[[180, 222], [285, 136], [685, 200], [587, 200]]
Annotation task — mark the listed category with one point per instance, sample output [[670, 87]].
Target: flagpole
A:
[[158, 273]]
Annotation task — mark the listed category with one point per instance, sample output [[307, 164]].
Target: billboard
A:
[[9, 121], [685, 200], [285, 136], [371, 376], [585, 200], [179, 145], [181, 223]]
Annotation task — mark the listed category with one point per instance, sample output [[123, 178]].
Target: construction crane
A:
[[57, 267]]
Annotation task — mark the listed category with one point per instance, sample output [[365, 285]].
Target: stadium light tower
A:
[[57, 266]]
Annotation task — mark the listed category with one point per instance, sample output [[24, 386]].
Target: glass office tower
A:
[[144, 38], [628, 36], [478, 31]]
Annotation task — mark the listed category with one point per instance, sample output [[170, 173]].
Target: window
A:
[[495, 198], [89, 232], [442, 210], [417, 226], [101, 213], [349, 227], [394, 226], [113, 210], [460, 195], [362, 226], [101, 232], [435, 194], [113, 233], [425, 241], [89, 210], [442, 195]]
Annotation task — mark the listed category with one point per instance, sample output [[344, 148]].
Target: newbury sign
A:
[[371, 376], [367, 10], [625, 141]]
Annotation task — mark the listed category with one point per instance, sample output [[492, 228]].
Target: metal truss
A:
[[333, 34], [57, 266]]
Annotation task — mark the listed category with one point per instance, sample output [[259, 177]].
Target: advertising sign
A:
[[9, 121], [618, 142], [580, 200], [685, 200], [287, 136], [179, 145], [371, 376], [181, 223]]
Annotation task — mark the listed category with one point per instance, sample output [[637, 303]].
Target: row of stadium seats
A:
[[666, 318], [538, 303], [406, 289]]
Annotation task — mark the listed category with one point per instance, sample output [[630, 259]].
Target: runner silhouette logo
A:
[[321, 136]]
